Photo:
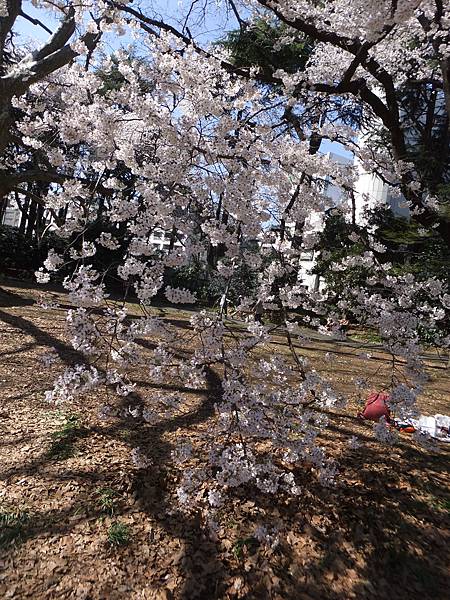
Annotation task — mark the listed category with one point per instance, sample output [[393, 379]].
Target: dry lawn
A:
[[67, 477]]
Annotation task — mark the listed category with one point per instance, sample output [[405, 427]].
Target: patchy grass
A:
[[245, 546], [13, 525], [125, 434], [367, 335], [440, 503], [445, 504], [107, 500], [119, 534], [65, 437]]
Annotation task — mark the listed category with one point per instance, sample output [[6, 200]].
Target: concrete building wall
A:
[[12, 214]]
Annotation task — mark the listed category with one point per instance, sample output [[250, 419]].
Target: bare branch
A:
[[148, 24], [242, 23], [35, 22]]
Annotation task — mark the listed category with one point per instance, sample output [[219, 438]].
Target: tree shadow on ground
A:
[[10, 299], [384, 524], [200, 563], [381, 512]]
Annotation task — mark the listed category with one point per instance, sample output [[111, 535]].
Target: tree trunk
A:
[[32, 215], [24, 215]]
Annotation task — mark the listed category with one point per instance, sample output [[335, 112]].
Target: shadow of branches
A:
[[379, 534]]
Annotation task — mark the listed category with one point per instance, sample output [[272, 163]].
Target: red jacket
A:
[[376, 407]]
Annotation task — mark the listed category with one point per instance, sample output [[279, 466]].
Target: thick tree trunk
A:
[[5, 122], [39, 227], [445, 66]]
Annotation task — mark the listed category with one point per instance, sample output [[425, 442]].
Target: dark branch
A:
[[35, 22], [6, 24], [59, 38], [242, 24]]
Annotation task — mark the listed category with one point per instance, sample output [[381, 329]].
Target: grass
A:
[[12, 526], [64, 438], [249, 544], [445, 505], [365, 336], [125, 434], [107, 500], [119, 534], [440, 504]]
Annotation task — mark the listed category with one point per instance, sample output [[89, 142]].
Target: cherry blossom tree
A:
[[191, 143]]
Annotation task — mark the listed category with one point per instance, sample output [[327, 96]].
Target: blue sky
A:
[[172, 11]]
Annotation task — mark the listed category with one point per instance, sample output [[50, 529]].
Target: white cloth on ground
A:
[[437, 427]]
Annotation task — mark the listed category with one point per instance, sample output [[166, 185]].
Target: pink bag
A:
[[376, 407]]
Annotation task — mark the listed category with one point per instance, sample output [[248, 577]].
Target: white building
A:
[[370, 191], [11, 215], [307, 257], [160, 240]]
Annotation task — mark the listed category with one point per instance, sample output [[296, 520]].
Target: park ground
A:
[[79, 520]]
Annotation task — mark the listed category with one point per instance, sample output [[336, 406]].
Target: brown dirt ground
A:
[[380, 533]]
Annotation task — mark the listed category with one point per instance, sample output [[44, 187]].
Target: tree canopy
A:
[[218, 146]]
